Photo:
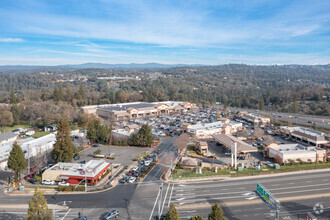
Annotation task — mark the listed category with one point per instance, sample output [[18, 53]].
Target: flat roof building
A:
[[135, 110], [306, 135], [255, 119], [73, 173], [283, 153], [207, 130]]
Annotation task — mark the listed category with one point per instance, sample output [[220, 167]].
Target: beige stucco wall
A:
[[52, 175]]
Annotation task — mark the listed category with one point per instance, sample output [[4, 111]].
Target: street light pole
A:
[[64, 203]]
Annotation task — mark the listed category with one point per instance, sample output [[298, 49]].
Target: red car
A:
[[30, 176], [158, 151]]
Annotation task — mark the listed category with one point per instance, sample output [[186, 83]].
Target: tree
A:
[[97, 132], [198, 217], [261, 103], [172, 213], [16, 161], [145, 136], [216, 213], [13, 98], [142, 138], [16, 111], [38, 207], [182, 141], [6, 117], [64, 148], [258, 132]]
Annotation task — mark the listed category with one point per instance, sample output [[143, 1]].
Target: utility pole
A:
[[160, 199], [28, 159]]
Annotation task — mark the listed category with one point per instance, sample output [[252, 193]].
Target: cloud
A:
[[11, 40]]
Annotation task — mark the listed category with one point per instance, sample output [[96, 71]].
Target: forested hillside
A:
[[290, 88]]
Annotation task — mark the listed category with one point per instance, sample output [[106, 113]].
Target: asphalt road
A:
[[235, 193], [237, 197], [168, 151]]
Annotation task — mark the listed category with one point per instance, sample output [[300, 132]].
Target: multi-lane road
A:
[[298, 194]]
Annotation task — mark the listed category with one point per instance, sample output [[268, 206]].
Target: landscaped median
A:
[[181, 174]]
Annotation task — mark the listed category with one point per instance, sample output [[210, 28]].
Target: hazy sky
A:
[[51, 32]]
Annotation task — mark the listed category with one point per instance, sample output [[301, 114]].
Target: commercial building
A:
[[207, 130], [306, 135], [73, 173], [8, 137], [135, 110], [255, 119], [284, 153], [31, 147], [228, 140], [202, 147]]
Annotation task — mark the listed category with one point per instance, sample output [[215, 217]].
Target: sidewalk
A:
[[228, 178]]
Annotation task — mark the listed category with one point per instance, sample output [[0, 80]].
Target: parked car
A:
[[77, 157], [82, 217], [132, 179], [130, 173], [158, 151], [48, 182], [50, 165], [147, 163], [30, 176], [83, 162], [33, 181], [97, 145], [63, 183], [124, 179], [112, 214], [135, 168]]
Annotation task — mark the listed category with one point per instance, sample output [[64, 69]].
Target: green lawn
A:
[[40, 134], [185, 173], [15, 127]]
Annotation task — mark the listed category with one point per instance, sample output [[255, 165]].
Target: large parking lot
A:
[[123, 155]]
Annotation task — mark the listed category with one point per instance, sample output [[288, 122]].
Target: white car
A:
[[48, 182], [63, 183], [147, 163], [132, 179], [135, 168]]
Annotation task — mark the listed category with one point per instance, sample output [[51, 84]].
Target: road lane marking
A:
[[164, 199], [250, 198], [180, 199], [169, 199], [152, 211]]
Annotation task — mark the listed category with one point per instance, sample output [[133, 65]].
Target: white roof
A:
[[90, 169]]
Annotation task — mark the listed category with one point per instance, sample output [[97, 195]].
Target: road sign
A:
[[260, 190], [266, 196]]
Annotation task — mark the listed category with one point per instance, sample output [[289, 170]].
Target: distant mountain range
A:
[[97, 65]]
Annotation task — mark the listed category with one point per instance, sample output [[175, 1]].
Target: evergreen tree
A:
[[93, 130], [13, 99], [216, 213], [38, 208], [16, 161], [64, 148], [144, 136], [172, 213], [81, 92], [16, 111], [261, 103], [6, 117], [104, 133], [56, 95]]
